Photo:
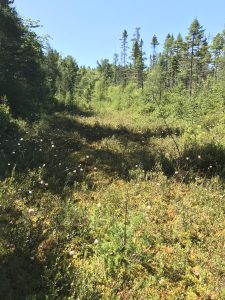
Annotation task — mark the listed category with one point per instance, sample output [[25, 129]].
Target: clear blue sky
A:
[[90, 29]]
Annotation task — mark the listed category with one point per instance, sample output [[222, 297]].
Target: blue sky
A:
[[90, 29]]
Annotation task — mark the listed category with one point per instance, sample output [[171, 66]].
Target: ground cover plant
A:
[[106, 213]]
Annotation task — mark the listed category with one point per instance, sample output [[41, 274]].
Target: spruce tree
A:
[[124, 49], [153, 58], [166, 60], [138, 62], [195, 41], [217, 47]]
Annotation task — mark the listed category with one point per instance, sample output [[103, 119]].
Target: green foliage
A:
[[5, 119], [57, 219], [21, 76], [117, 192]]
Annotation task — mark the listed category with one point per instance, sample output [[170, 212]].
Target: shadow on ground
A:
[[204, 161], [65, 149], [61, 144], [20, 278], [20, 273]]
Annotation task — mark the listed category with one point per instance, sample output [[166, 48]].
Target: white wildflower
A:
[[31, 211], [72, 252]]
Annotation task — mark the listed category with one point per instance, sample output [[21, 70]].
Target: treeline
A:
[[184, 65], [33, 75]]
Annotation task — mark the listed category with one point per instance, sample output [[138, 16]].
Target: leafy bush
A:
[[5, 119]]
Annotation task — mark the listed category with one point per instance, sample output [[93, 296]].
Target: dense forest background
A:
[[34, 75], [111, 178]]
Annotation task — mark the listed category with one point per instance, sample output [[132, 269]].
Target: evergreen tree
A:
[[217, 47], [179, 56], [196, 41], [137, 35], [124, 49], [153, 57], [138, 62], [137, 57], [167, 60]]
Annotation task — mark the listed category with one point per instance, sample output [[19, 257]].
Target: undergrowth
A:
[[104, 207]]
